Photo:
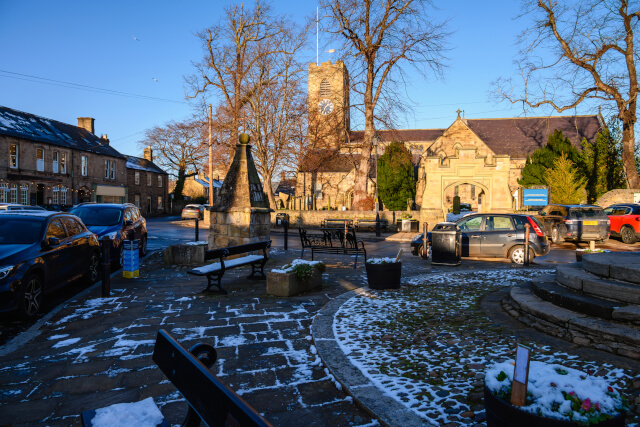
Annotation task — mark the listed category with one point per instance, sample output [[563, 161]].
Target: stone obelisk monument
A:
[[241, 213]]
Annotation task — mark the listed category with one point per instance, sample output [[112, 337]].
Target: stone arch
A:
[[483, 189]]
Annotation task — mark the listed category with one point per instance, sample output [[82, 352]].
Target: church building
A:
[[479, 160]]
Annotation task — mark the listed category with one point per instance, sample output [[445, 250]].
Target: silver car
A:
[[193, 212]]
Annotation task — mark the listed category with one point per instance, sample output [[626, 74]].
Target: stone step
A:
[[548, 290], [574, 277], [624, 266]]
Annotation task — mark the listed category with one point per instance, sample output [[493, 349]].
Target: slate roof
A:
[[35, 128], [519, 137], [205, 182], [143, 165], [286, 186], [405, 135]]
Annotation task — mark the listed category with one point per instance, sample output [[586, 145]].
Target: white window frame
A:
[[4, 192], [55, 164], [137, 178], [13, 193], [148, 179], [40, 161], [136, 199], [160, 202], [24, 194], [106, 169], [83, 161], [56, 195], [159, 181], [63, 195], [14, 159], [63, 162], [113, 169]]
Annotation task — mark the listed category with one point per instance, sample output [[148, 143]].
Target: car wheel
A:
[[628, 235], [143, 246], [32, 295], [516, 255], [94, 268], [555, 236]]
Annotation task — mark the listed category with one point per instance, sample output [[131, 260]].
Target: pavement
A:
[[279, 354]]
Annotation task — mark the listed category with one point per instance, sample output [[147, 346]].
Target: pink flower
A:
[[610, 389], [586, 405], [573, 393], [553, 385], [597, 405]]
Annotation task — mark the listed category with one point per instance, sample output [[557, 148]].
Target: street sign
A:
[[535, 197], [130, 265]]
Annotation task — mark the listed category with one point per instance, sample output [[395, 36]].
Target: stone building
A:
[[46, 162], [148, 184]]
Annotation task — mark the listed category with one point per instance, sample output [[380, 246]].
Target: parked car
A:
[[17, 207], [625, 221], [118, 221], [576, 223], [495, 235], [193, 212], [40, 252]]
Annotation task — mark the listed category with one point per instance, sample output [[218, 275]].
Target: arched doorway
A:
[[479, 189]]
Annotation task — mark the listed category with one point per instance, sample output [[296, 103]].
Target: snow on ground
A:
[[428, 344]]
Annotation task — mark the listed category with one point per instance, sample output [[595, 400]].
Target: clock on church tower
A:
[[328, 104]]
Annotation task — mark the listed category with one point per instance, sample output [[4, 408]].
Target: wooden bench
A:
[[210, 400], [332, 241], [216, 270], [336, 223], [370, 223]]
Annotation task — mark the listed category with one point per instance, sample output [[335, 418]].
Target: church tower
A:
[[328, 104]]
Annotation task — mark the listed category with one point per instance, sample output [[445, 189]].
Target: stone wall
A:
[[238, 227], [314, 218], [625, 195]]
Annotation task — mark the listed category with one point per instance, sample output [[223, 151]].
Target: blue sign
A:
[[535, 197], [130, 268]]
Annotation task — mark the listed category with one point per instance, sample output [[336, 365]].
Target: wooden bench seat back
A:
[[236, 250], [209, 398]]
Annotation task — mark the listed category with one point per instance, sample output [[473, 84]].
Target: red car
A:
[[625, 221]]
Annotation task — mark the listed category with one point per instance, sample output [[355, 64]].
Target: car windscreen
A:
[[98, 215], [554, 210], [20, 231]]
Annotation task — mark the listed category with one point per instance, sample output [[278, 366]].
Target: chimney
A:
[[148, 153], [86, 123], [281, 176]]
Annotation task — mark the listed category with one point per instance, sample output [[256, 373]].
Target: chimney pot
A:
[[148, 154], [86, 123], [105, 139]]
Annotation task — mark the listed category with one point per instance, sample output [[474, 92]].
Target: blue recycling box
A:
[[131, 262]]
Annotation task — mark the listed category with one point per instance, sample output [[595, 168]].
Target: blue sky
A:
[[92, 44]]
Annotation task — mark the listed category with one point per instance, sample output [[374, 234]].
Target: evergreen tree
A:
[[565, 184], [544, 158], [601, 163], [396, 182]]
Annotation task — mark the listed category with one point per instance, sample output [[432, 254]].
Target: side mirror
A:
[[127, 222], [50, 242]]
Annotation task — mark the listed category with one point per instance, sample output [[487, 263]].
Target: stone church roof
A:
[[404, 135], [520, 137]]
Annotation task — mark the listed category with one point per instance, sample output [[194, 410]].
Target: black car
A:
[[118, 221], [576, 223], [494, 235], [39, 252]]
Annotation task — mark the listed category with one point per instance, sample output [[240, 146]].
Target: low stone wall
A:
[[299, 218], [625, 195]]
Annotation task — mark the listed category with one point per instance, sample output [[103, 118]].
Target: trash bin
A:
[[280, 218], [446, 244]]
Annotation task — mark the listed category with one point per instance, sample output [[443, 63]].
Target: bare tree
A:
[[378, 38], [179, 147], [581, 52]]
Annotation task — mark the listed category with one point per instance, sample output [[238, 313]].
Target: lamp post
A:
[[376, 141]]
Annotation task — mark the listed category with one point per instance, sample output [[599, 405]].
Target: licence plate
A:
[[590, 222]]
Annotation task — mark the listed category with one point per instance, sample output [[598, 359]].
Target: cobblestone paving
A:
[[429, 343]]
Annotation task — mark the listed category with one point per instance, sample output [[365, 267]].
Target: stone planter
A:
[[287, 284], [185, 254], [384, 276], [501, 413]]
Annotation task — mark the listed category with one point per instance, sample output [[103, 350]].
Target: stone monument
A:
[[241, 213]]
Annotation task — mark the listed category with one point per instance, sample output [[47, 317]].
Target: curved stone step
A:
[[575, 301], [574, 277], [624, 266], [575, 327]]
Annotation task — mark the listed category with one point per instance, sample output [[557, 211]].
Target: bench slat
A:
[[210, 268]]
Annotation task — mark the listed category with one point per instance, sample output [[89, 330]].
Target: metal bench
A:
[[332, 241], [217, 269], [370, 223], [210, 400], [336, 223]]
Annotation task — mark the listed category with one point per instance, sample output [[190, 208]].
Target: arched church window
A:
[[325, 88]]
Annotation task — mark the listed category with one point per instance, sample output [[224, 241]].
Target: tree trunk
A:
[[628, 155], [177, 191], [362, 174], [269, 191]]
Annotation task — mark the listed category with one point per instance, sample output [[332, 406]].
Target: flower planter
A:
[[384, 276], [582, 252], [501, 413], [284, 284]]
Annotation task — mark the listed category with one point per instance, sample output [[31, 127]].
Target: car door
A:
[[79, 246], [471, 237], [57, 258], [128, 225], [498, 233], [618, 215]]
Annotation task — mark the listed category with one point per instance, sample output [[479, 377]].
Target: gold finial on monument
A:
[[244, 138]]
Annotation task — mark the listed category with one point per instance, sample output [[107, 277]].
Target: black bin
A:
[[281, 217], [446, 244]]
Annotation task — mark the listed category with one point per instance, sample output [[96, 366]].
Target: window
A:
[[4, 192], [148, 179], [13, 156], [40, 159], [159, 202], [63, 162], [497, 223], [159, 180], [113, 169], [471, 224], [325, 88], [13, 193], [24, 194], [137, 178], [84, 165], [136, 199], [56, 161], [56, 195], [106, 169], [63, 195], [73, 226], [56, 229]]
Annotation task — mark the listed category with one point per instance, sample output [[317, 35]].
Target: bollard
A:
[[377, 224], [197, 230], [106, 266], [285, 224], [425, 250], [527, 229]]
